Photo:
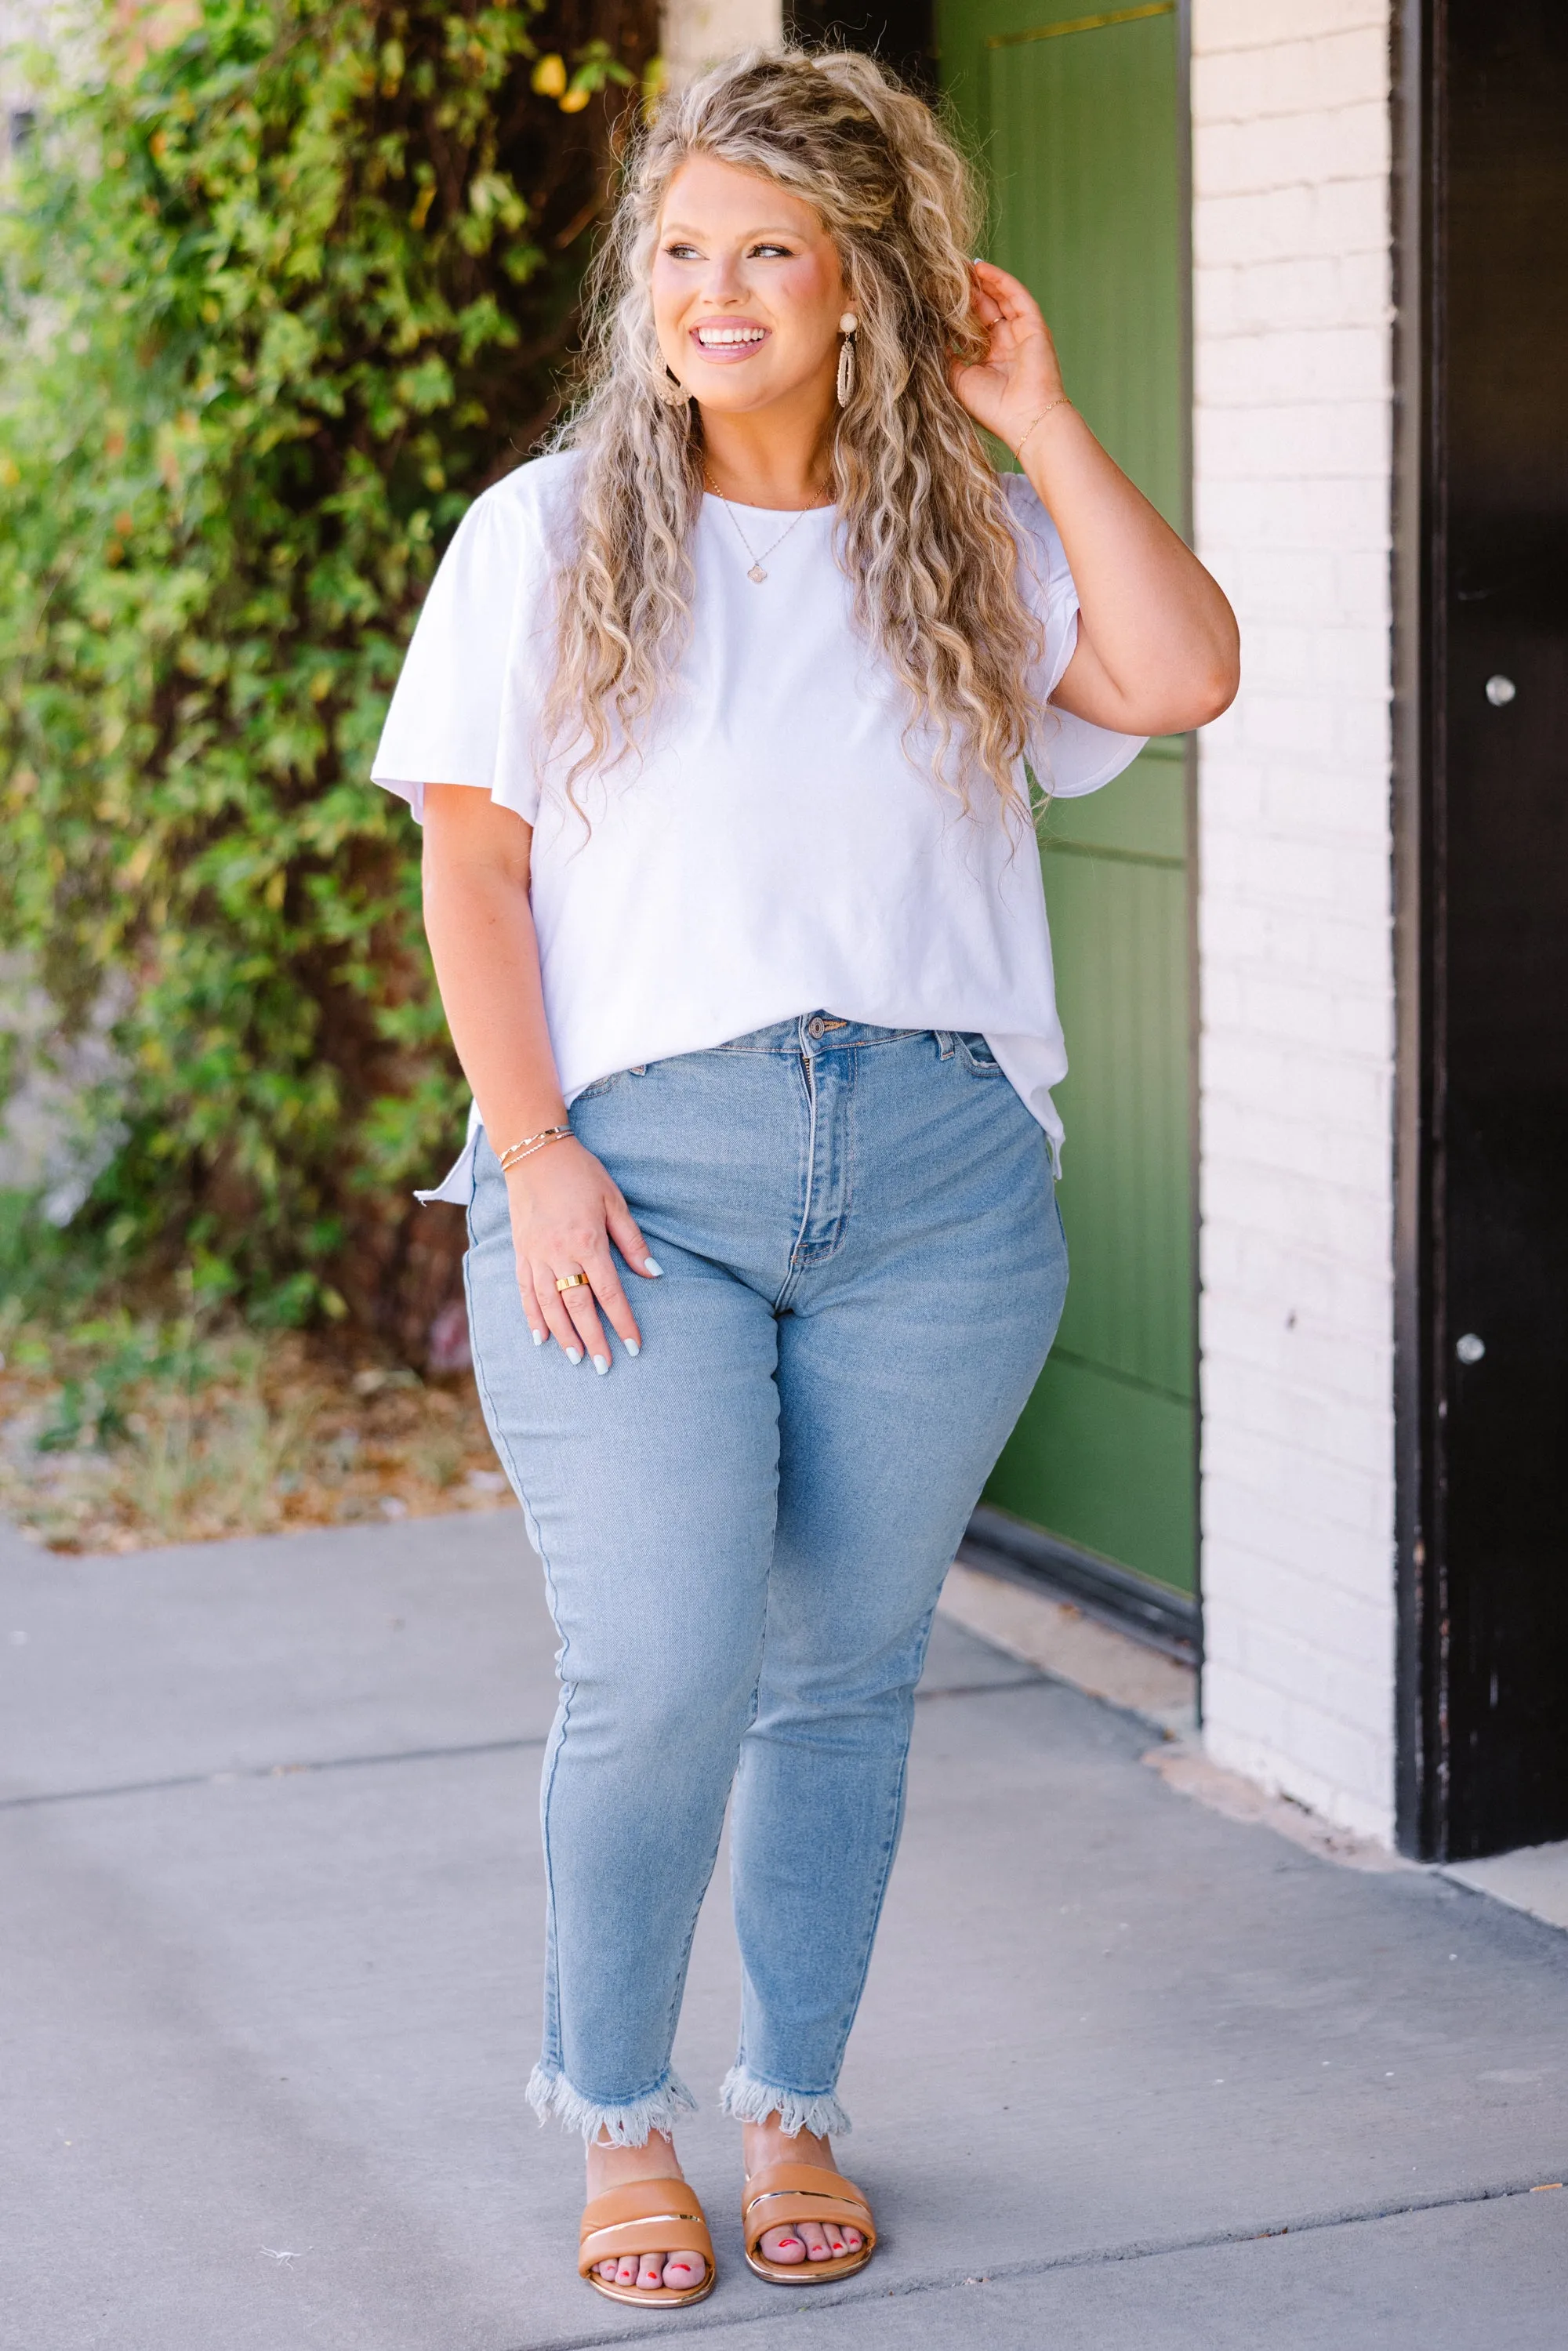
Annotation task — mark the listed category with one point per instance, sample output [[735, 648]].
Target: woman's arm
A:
[[1158, 644], [565, 1208]]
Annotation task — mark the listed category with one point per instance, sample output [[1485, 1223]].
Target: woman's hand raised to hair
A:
[[1156, 650], [565, 1211], [1019, 375]]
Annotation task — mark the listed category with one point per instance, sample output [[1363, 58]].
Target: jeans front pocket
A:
[[977, 1055]]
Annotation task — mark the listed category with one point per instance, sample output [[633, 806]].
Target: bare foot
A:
[[805, 2241], [618, 2167]]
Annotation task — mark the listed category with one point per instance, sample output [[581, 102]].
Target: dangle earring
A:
[[671, 390], [848, 326]]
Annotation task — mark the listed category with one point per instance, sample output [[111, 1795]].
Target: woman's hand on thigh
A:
[[565, 1211]]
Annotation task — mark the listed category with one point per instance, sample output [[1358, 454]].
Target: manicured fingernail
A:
[[632, 1346], [538, 1338], [601, 1364], [574, 1354], [650, 1266]]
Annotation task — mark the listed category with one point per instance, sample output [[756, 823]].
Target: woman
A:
[[719, 718]]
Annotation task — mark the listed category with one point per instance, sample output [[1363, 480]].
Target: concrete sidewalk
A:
[[269, 1940]]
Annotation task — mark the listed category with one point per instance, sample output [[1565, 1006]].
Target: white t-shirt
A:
[[772, 845]]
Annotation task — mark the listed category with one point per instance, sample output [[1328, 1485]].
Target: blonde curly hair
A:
[[923, 532]]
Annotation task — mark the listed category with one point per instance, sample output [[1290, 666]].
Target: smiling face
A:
[[747, 291]]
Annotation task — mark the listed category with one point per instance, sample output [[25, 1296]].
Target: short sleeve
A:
[[1069, 756], [449, 719]]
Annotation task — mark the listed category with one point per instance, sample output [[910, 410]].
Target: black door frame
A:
[[900, 32], [1436, 1790], [1420, 1715]]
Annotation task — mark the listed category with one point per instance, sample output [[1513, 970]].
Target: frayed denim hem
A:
[[628, 2125], [751, 2101]]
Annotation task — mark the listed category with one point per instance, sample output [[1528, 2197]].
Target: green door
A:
[[1075, 116]]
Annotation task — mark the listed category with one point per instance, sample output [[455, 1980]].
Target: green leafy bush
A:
[[279, 299]]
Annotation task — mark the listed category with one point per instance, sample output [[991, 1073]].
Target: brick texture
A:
[[1292, 436]]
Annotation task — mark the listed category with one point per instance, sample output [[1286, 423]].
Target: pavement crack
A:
[[988, 1689], [228, 1774]]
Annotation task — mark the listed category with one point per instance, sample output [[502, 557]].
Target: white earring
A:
[[671, 390], [848, 325]]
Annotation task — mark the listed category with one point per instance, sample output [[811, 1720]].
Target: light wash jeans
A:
[[745, 1530]]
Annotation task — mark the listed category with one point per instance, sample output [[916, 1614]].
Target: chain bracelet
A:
[[1045, 412], [516, 1153]]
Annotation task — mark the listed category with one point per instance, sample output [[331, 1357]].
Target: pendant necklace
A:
[[757, 571]]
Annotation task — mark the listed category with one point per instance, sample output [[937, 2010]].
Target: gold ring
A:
[[573, 1281]]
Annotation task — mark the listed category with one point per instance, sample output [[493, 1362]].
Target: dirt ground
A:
[[120, 1435]]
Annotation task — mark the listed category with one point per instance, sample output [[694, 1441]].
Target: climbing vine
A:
[[279, 299]]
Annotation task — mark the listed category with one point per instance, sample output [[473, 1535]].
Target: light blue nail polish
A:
[[538, 1338], [574, 1354], [601, 1364], [650, 1266], [632, 1346]]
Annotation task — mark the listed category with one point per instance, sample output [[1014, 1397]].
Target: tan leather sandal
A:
[[784, 2192], [645, 2216]]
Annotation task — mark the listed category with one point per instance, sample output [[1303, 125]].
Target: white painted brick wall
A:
[[1292, 314]]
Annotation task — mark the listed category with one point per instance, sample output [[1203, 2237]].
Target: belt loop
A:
[[944, 1043]]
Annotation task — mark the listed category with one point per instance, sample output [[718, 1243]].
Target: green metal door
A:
[[1076, 116]]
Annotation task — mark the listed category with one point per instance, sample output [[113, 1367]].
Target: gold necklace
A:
[[757, 571]]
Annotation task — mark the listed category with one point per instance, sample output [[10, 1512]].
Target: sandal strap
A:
[[785, 2192], [641, 2217]]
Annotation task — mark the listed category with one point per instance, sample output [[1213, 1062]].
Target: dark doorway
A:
[[1486, 1728]]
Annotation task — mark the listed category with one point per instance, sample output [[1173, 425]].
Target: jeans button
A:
[[818, 1027]]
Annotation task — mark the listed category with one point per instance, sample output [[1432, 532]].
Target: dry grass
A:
[[119, 1435]]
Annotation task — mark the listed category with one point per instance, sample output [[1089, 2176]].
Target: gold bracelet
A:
[[1045, 412], [517, 1153]]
